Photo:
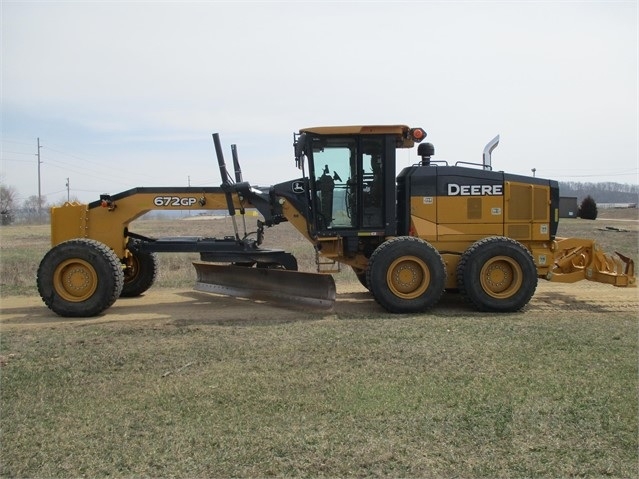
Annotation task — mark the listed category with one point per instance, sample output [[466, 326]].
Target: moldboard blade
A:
[[285, 287]]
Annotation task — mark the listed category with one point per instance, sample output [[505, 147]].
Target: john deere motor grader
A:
[[409, 237]]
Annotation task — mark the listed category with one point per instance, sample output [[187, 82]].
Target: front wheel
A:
[[406, 275], [497, 274], [80, 278]]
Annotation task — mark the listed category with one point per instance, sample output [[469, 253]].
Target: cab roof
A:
[[401, 132], [358, 130]]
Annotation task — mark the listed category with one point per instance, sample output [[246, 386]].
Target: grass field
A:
[[443, 394]]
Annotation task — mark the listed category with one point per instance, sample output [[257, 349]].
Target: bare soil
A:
[[185, 307]]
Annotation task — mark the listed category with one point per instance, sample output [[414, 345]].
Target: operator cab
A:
[[351, 177]]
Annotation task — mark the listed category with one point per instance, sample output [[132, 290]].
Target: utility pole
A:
[[68, 197], [39, 183], [189, 180]]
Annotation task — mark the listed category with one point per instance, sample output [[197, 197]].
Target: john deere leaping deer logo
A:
[[298, 187]]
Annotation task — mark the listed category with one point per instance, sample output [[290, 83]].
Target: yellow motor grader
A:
[[408, 237]]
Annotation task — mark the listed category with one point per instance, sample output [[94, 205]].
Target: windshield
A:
[[335, 173]]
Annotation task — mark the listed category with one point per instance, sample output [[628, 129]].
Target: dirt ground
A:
[[183, 307]]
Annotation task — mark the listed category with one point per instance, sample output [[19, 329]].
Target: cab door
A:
[[348, 183]]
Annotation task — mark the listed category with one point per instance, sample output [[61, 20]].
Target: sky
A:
[[125, 94]]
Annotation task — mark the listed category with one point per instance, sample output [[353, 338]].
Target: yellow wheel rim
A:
[[501, 277], [75, 280], [408, 277], [132, 269]]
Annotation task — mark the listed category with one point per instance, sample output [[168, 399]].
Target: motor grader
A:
[[486, 234]]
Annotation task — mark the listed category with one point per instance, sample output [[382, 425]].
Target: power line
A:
[[16, 152], [16, 160], [54, 192], [99, 164], [4, 140]]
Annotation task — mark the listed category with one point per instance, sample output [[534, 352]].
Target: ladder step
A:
[[326, 265]]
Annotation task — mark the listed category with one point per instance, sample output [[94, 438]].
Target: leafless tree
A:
[[8, 197]]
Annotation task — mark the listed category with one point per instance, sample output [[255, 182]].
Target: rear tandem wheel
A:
[[497, 274], [80, 278]]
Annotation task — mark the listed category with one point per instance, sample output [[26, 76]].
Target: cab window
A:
[[335, 172]]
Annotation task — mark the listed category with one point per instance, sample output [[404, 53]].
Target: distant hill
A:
[[601, 192]]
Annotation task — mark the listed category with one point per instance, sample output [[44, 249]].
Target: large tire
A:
[[80, 278], [406, 275], [140, 274], [497, 274]]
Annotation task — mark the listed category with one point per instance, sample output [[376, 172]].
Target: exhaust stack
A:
[[492, 144]]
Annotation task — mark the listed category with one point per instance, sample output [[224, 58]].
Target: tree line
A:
[[31, 210], [604, 192]]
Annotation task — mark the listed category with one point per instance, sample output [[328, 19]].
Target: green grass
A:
[[405, 397]]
